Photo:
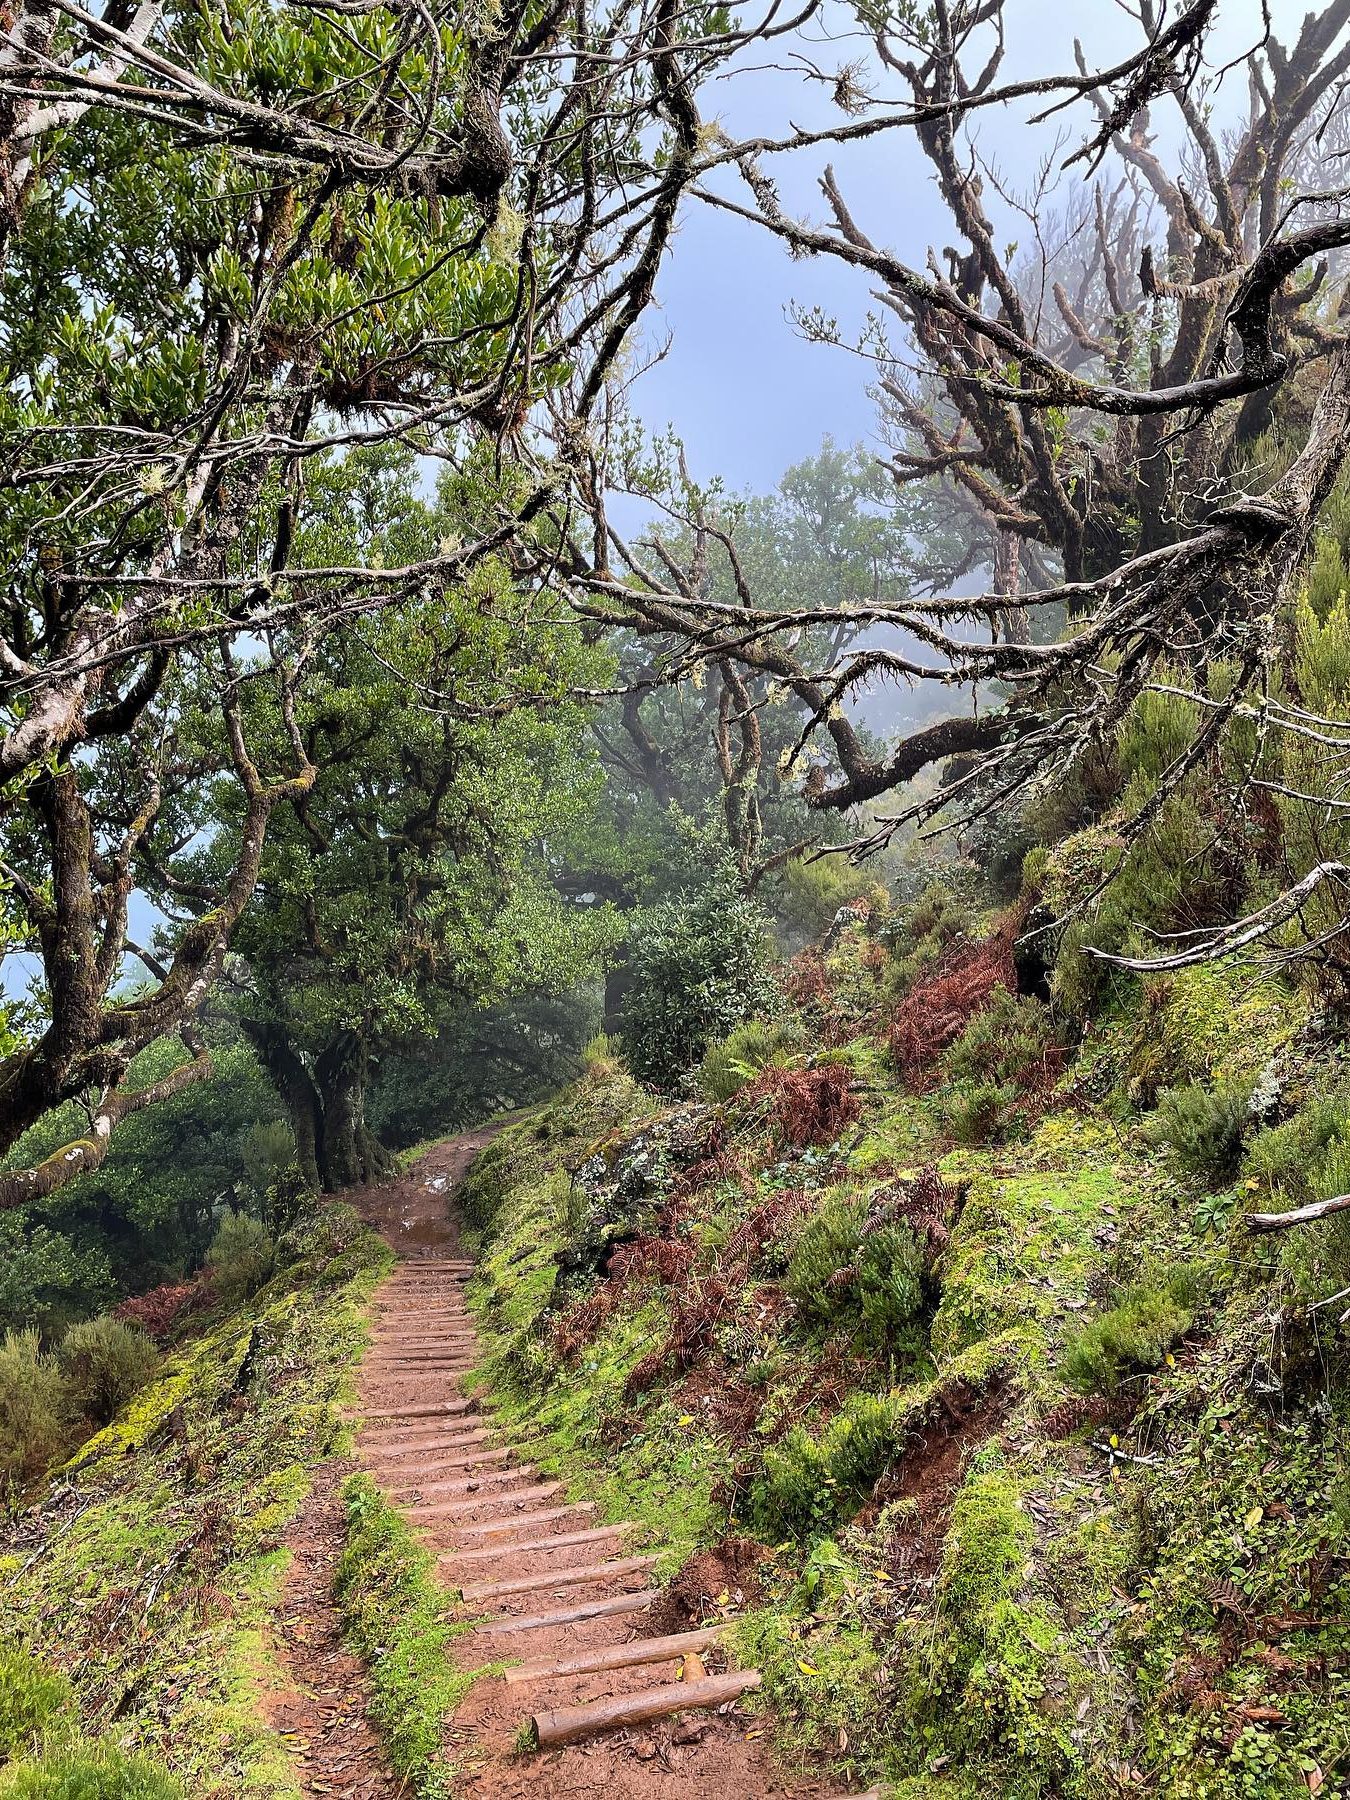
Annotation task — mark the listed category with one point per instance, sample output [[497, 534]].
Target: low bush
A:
[[977, 1111], [808, 1106], [1134, 1335], [94, 1772], [1010, 1042], [34, 1411], [156, 1311], [848, 1270], [938, 1010], [104, 1362], [810, 1483], [241, 1258], [37, 1706], [1201, 1127], [758, 1044]]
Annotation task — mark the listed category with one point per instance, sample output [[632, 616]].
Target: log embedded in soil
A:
[[428, 1480], [555, 1578], [401, 1448], [573, 1615], [563, 1540], [497, 1527], [615, 1656], [438, 1410], [465, 1482], [513, 1497], [434, 1364], [411, 1412], [494, 1480], [567, 1724]]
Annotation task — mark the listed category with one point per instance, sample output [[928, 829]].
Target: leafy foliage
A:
[[700, 967], [240, 1257], [33, 1418], [1135, 1334], [36, 1705]]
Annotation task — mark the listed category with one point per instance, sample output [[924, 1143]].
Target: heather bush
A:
[[36, 1706], [241, 1257], [104, 1362], [1135, 1334], [1201, 1127], [34, 1409]]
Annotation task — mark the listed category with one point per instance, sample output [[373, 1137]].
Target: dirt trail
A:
[[549, 1581]]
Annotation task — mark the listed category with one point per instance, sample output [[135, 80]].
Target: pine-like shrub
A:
[[1134, 1335], [1201, 1127], [34, 1410], [241, 1258], [846, 1271], [104, 1362]]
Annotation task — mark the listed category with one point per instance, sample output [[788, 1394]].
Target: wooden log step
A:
[[464, 1484], [569, 1724], [417, 1334], [545, 1491], [614, 1656], [436, 1262], [562, 1540], [469, 1459], [555, 1578], [398, 1451], [440, 1409], [432, 1363], [573, 1615], [495, 1479], [499, 1527]]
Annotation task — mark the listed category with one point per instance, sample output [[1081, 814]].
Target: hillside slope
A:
[[1019, 1463]]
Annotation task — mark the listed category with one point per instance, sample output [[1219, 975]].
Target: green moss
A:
[[400, 1620]]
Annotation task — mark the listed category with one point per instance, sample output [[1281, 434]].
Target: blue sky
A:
[[748, 396]]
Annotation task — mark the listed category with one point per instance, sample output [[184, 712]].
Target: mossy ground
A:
[[970, 1581], [398, 1619], [151, 1573]]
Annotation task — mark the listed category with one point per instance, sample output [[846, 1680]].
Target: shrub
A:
[[976, 1111], [33, 1408], [105, 1361], [268, 1153], [809, 1106], [36, 1705], [810, 1483], [1201, 1127], [847, 1269], [700, 967], [740, 1056], [241, 1257], [934, 1015], [156, 1311], [1009, 1042], [1136, 1334], [91, 1772]]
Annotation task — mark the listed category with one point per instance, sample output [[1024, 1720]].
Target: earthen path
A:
[[617, 1707]]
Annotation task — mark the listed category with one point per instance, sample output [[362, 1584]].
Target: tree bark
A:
[[350, 1155]]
